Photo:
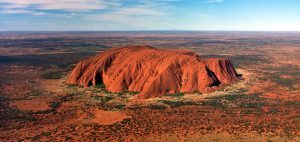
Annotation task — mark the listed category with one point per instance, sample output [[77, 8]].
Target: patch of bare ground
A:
[[35, 104], [108, 117]]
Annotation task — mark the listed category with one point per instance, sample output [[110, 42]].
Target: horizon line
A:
[[150, 31]]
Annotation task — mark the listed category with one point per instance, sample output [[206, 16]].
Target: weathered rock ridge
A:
[[153, 72]]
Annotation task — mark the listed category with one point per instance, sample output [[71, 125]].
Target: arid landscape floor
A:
[[37, 105]]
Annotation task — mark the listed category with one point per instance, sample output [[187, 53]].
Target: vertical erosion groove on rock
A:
[[153, 72]]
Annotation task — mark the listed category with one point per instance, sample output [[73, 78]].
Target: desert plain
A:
[[37, 104]]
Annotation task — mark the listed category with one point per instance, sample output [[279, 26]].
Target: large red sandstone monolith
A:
[[153, 72]]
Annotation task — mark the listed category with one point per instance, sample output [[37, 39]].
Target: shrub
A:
[[177, 103], [52, 75], [156, 107]]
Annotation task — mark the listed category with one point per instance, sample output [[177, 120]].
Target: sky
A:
[[136, 15]]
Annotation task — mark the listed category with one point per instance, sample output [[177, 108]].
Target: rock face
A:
[[153, 72]]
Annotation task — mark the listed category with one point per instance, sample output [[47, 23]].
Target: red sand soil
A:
[[36, 104], [108, 117], [153, 72]]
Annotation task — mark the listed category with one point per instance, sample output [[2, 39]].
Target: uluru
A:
[[153, 72]]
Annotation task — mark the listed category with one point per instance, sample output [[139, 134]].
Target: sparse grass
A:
[[132, 93], [36, 137], [8, 113], [284, 81], [119, 106], [259, 128], [272, 111], [53, 107], [178, 94], [71, 85], [292, 104], [103, 99], [101, 86], [251, 105], [15, 114], [37, 93], [69, 97], [53, 75], [3, 99], [122, 93], [156, 107], [56, 104], [215, 103], [289, 70], [177, 103]]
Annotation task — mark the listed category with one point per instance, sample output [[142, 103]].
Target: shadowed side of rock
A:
[[153, 72]]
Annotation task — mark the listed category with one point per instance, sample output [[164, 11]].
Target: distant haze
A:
[[136, 15]]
